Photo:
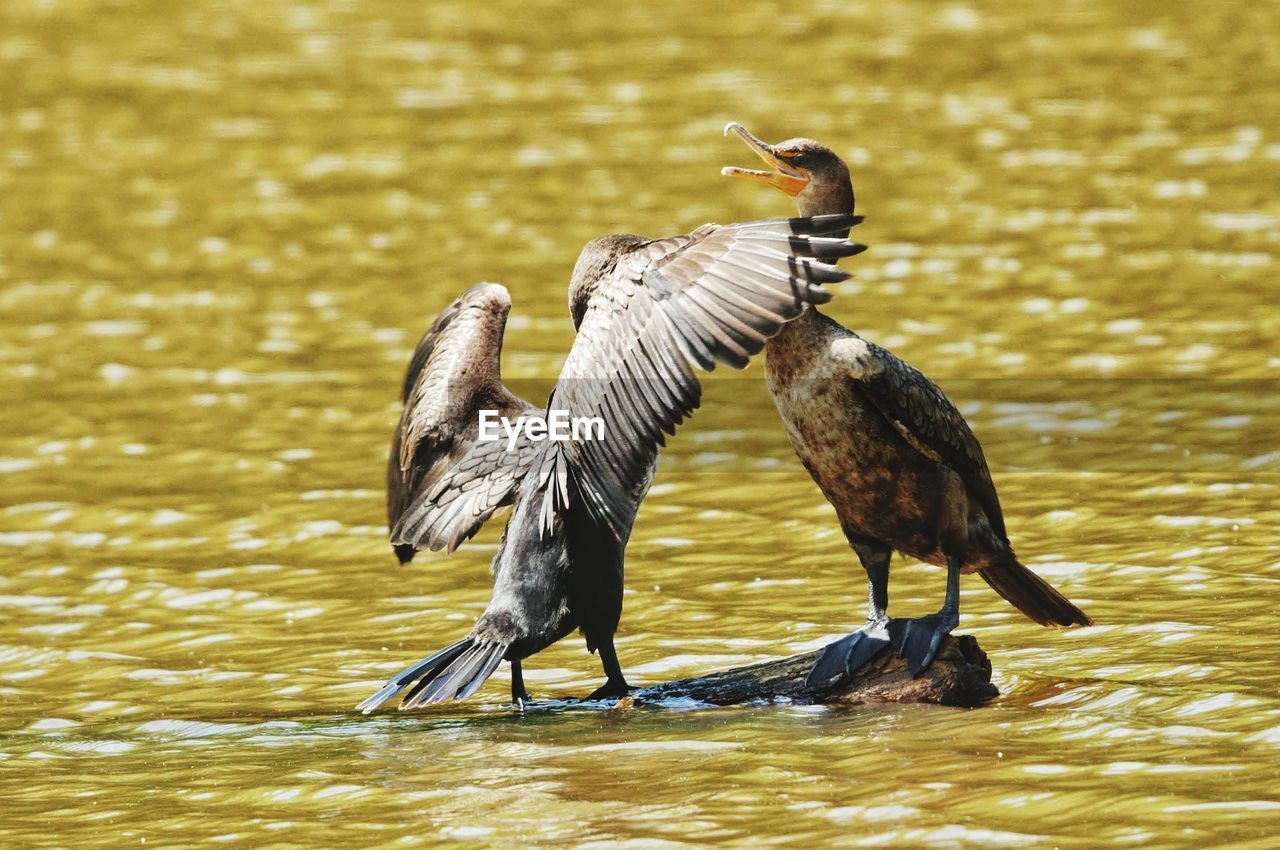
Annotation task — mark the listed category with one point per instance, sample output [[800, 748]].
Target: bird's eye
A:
[[800, 159]]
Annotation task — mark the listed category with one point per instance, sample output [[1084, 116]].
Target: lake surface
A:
[[224, 225]]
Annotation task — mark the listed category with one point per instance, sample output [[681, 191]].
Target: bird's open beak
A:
[[784, 176]]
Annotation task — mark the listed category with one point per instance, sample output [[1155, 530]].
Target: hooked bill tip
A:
[[731, 126]]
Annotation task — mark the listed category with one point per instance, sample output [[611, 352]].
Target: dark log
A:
[[960, 675]]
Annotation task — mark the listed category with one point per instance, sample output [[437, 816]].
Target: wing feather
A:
[[924, 415], [442, 482], [713, 296]]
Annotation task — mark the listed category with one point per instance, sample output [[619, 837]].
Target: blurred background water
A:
[[223, 226]]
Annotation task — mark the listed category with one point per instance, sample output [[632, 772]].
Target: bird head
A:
[[810, 172]]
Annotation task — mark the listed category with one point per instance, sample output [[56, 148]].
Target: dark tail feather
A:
[[404, 552], [461, 678], [481, 675], [427, 668], [1032, 595]]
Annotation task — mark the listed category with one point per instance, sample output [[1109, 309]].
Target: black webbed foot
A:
[[848, 655], [917, 638], [612, 688]]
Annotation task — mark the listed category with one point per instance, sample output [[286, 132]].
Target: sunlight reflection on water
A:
[[221, 234]]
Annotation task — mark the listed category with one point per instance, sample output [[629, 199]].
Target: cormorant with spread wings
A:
[[646, 311], [888, 449]]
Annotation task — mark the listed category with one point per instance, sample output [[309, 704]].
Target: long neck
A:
[[832, 199], [835, 198], [795, 333]]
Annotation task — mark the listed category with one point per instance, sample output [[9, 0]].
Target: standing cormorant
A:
[[644, 310], [888, 449]]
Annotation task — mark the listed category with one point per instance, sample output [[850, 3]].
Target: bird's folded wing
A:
[[926, 418], [470, 491], [453, 375], [712, 296]]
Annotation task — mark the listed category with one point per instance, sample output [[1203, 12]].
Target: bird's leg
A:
[[847, 655], [615, 683], [878, 594], [918, 639], [519, 696]]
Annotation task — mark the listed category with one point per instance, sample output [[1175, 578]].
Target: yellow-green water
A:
[[223, 226]]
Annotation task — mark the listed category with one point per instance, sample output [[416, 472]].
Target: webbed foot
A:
[[917, 638], [610, 689], [848, 655]]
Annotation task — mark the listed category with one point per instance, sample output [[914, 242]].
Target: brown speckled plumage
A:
[[884, 483]]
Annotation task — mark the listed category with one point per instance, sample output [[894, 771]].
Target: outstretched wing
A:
[[712, 296], [926, 418], [453, 375]]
